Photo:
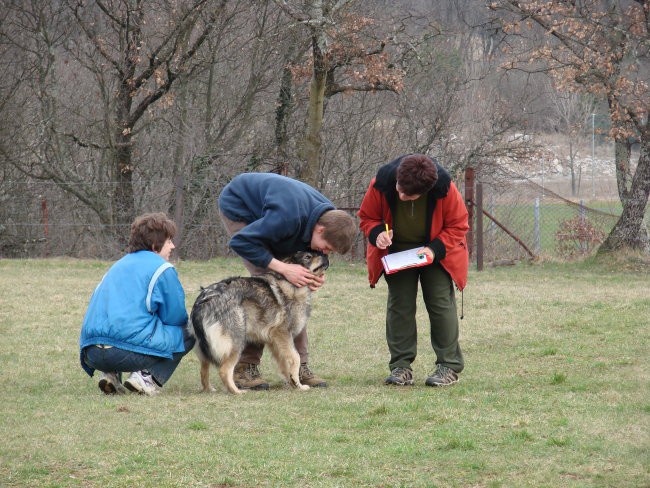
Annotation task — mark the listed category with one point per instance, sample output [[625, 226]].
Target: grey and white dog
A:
[[264, 309]]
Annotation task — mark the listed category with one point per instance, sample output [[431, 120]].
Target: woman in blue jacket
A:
[[136, 320]]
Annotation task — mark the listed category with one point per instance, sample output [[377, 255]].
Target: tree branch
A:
[[334, 88], [108, 13], [92, 38], [156, 59]]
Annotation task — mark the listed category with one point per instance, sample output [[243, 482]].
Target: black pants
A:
[[440, 302]]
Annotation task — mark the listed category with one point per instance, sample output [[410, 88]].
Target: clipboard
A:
[[405, 259]]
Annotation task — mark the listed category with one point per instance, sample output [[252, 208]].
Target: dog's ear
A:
[[306, 258], [298, 257]]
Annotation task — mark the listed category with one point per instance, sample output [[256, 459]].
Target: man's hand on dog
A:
[[297, 275], [300, 276]]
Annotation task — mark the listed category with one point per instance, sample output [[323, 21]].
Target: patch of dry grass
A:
[[555, 391]]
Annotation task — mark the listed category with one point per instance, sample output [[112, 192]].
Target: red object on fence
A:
[[179, 208], [46, 226]]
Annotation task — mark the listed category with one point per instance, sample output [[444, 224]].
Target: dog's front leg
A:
[[294, 368], [288, 359]]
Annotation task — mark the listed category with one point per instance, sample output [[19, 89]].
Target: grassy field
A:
[[555, 391]]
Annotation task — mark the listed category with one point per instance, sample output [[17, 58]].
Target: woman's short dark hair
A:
[[416, 174], [150, 232]]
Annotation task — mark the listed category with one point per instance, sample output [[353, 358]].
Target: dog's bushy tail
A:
[[214, 325]]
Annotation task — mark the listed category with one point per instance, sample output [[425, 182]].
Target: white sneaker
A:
[[142, 383], [110, 384]]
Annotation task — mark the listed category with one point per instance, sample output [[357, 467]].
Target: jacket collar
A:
[[312, 220]]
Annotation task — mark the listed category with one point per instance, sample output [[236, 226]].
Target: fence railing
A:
[[520, 219]]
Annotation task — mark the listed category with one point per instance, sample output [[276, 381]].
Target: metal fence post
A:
[[538, 235], [582, 212], [469, 203]]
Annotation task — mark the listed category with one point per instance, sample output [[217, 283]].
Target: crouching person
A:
[[136, 321]]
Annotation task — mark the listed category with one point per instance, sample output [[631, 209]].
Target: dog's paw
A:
[[303, 387], [210, 389]]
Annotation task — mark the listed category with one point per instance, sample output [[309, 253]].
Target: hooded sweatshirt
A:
[[280, 214]]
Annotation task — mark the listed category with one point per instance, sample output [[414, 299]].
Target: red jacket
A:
[[447, 222]]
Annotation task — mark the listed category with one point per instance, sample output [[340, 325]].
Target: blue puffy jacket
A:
[[138, 306], [280, 214]]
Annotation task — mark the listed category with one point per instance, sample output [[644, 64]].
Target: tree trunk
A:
[[123, 197], [178, 167], [209, 112], [629, 231], [622, 154], [282, 113], [312, 145]]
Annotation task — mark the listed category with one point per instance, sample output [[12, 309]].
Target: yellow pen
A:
[[386, 227]]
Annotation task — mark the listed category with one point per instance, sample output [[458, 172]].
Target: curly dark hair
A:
[[416, 174], [150, 231]]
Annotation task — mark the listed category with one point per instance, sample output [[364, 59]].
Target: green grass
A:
[[555, 391]]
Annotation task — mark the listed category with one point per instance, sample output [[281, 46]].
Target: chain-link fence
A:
[[39, 219], [520, 218]]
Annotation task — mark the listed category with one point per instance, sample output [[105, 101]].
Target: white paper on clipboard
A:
[[404, 259]]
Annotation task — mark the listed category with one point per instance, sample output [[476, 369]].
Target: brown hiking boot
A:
[[442, 376], [310, 379], [400, 377], [248, 377]]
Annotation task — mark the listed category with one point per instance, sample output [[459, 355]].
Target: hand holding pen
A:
[[385, 239]]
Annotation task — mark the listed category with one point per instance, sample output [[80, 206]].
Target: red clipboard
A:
[[404, 260]]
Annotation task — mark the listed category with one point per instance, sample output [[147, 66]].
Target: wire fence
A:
[[521, 219]]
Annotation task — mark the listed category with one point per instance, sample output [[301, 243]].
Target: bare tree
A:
[[230, 106], [339, 62], [599, 47], [144, 48], [456, 105], [85, 127], [571, 115]]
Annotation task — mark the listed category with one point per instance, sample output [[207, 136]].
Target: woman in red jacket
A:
[[416, 200]]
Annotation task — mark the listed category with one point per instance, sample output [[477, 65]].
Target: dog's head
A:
[[314, 261]]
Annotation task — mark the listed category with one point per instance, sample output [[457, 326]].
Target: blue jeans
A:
[[116, 360]]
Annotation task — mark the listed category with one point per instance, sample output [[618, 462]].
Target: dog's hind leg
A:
[[226, 372], [205, 377], [287, 358]]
